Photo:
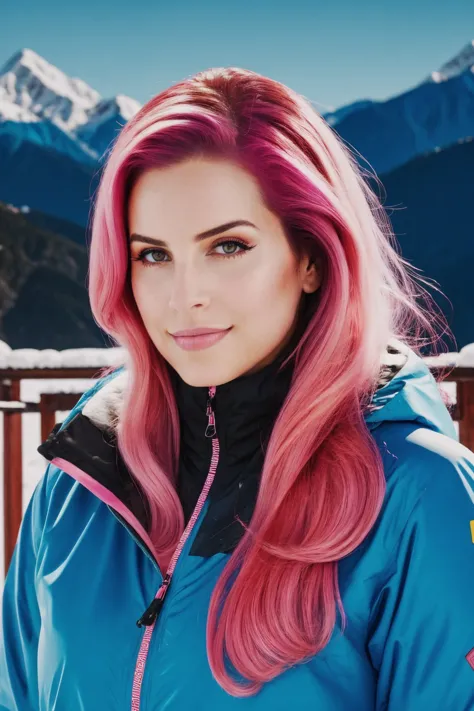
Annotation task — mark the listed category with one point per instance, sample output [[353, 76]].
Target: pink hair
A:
[[322, 483]]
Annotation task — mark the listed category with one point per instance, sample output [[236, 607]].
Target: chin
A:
[[207, 375]]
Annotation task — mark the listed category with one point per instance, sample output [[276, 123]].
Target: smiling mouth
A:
[[200, 340]]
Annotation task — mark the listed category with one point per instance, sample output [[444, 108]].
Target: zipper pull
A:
[[151, 613], [153, 610], [211, 425]]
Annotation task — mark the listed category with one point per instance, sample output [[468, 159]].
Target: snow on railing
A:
[[462, 359], [34, 359]]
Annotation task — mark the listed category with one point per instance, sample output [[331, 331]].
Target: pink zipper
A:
[[150, 615]]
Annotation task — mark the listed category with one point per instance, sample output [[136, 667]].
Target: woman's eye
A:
[[236, 249], [148, 252], [233, 244], [145, 253]]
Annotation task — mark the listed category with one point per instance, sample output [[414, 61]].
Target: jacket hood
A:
[[411, 395]]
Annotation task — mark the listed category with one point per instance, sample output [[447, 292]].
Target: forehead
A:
[[198, 192]]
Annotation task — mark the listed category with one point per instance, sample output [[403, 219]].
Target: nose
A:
[[188, 288]]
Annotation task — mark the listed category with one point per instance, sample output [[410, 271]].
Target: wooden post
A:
[[48, 415], [12, 470], [465, 397], [50, 403]]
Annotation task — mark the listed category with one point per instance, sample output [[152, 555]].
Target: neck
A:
[[245, 411]]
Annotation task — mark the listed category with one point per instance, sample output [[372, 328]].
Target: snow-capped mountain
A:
[[109, 108], [434, 114], [43, 91], [32, 91], [54, 129], [456, 66], [104, 120]]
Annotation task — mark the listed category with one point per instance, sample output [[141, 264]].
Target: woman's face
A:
[[244, 278]]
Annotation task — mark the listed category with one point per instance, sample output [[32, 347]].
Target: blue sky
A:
[[333, 52]]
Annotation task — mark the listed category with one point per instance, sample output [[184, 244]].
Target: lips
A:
[[202, 338], [198, 331]]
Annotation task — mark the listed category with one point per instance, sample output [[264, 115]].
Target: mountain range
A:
[[55, 130], [41, 104], [43, 296]]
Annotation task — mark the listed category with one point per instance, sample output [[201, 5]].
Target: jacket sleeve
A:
[[20, 620], [422, 641]]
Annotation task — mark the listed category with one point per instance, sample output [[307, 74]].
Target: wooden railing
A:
[[13, 408], [50, 403]]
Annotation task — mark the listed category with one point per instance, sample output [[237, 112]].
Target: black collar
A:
[[245, 411]]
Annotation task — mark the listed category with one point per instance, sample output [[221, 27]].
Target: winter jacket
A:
[[83, 572]]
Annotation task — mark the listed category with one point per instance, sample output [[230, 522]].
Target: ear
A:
[[310, 275]]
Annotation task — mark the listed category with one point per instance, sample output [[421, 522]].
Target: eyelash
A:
[[141, 256]]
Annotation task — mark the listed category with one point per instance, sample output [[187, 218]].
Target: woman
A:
[[276, 510]]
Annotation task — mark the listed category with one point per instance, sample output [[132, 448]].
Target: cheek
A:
[[272, 283], [146, 292], [267, 303]]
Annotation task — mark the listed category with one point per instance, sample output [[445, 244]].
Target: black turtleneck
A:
[[245, 410]]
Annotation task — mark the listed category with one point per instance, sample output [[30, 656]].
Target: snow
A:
[[34, 91], [108, 108], [29, 358], [466, 356], [462, 359], [34, 464], [10, 111], [44, 90], [459, 64]]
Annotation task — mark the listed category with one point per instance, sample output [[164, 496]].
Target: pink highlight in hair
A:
[[322, 484]]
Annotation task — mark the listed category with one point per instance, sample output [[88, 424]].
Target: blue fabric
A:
[[78, 582]]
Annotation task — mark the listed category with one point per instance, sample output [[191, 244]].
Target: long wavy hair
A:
[[322, 484]]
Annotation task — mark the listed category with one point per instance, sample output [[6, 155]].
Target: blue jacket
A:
[[82, 574]]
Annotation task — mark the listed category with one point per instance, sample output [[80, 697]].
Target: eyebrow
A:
[[135, 237]]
